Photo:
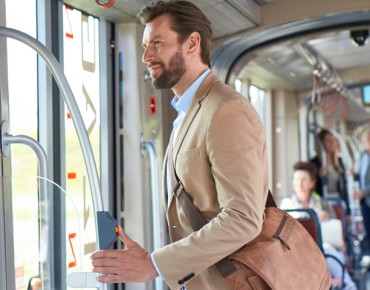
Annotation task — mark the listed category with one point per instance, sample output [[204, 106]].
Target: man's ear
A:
[[193, 42]]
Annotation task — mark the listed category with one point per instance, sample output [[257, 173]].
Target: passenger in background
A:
[[363, 194], [304, 180], [304, 196], [331, 170]]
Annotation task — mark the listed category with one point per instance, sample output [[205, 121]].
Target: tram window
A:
[[366, 95], [81, 66], [256, 95], [258, 100], [22, 81]]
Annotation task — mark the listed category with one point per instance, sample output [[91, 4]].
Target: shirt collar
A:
[[182, 104]]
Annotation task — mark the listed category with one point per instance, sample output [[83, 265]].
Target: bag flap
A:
[[278, 264]]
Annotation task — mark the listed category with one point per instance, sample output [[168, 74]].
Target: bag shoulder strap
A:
[[225, 266]]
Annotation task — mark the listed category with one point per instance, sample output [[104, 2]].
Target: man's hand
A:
[[132, 264]]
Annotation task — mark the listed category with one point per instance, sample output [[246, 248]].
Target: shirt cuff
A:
[[155, 264]]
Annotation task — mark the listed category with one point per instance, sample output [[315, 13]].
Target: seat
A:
[[353, 236], [332, 233], [310, 220], [337, 206]]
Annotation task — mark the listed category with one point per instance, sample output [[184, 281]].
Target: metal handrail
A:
[[158, 231], [70, 100], [8, 139]]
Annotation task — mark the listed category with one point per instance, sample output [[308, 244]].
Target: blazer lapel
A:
[[193, 110], [164, 181], [190, 115]]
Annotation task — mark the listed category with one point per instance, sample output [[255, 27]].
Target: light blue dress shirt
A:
[[181, 105]]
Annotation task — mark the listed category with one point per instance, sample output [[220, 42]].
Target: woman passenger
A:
[[331, 170], [304, 196]]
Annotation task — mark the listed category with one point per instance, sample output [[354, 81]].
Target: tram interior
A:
[[330, 72], [321, 77]]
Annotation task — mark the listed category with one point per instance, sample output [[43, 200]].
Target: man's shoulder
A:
[[218, 91]]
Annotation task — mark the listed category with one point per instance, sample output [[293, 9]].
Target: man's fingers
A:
[[104, 254], [105, 270], [109, 279], [125, 238]]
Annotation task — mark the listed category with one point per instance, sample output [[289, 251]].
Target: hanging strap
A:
[[224, 266]]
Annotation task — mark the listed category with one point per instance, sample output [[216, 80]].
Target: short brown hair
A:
[[185, 19], [307, 166]]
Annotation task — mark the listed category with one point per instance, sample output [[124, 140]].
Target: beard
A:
[[171, 74]]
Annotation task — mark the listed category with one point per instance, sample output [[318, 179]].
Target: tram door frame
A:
[[6, 240]]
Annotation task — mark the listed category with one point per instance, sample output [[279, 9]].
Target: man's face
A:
[[163, 54]]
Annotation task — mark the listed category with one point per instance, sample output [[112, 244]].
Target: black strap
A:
[[225, 266]]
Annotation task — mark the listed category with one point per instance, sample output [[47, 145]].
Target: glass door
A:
[[45, 234]]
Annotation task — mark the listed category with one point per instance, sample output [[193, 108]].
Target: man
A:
[[363, 194], [219, 155]]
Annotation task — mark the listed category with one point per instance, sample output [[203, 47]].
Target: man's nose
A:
[[147, 55]]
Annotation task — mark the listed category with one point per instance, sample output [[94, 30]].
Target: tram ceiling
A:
[[227, 16], [340, 65], [287, 66]]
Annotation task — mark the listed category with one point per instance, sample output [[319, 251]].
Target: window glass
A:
[[258, 99], [81, 66]]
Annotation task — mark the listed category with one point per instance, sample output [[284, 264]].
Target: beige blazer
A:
[[220, 157]]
